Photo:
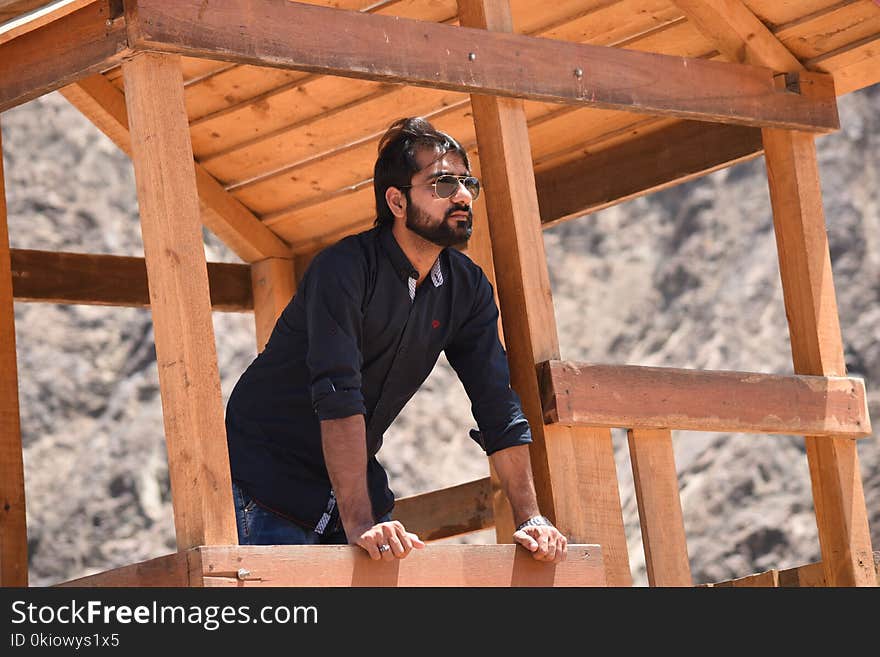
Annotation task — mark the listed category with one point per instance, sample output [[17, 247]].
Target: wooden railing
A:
[[650, 402]]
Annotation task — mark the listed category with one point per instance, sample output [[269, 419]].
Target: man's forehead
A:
[[433, 161]]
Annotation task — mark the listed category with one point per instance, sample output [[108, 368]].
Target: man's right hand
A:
[[387, 540]]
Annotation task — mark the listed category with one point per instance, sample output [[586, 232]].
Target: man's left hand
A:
[[545, 542]]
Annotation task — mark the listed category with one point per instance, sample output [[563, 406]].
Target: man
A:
[[363, 332]]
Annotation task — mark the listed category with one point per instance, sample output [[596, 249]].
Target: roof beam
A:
[[109, 280], [104, 105], [86, 41], [738, 34], [470, 60], [658, 160]]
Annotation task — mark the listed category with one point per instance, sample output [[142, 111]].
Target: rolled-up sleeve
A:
[[478, 358], [333, 297]]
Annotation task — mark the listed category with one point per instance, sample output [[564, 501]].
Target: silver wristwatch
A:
[[535, 521]]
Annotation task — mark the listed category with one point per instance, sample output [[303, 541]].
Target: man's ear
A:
[[396, 201]]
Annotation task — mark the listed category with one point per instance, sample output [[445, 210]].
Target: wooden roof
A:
[[297, 149]]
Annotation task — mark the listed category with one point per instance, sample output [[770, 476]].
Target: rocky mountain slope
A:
[[683, 278]]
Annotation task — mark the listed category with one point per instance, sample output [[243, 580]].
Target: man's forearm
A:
[[345, 453], [514, 468]]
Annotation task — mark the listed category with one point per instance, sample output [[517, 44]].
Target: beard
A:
[[444, 233]]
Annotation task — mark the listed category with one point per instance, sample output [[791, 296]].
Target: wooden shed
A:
[[259, 119]]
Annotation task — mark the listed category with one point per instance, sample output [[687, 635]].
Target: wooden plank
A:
[[656, 161], [601, 23], [435, 565], [810, 575], [776, 14], [274, 284], [448, 511], [632, 396], [572, 135], [13, 523], [855, 66], [107, 280], [297, 104], [60, 53], [660, 516], [402, 50], [233, 87], [274, 104], [12, 25], [189, 380], [817, 349], [738, 33], [168, 570], [104, 105], [766, 579], [357, 120], [570, 466], [10, 9], [823, 32]]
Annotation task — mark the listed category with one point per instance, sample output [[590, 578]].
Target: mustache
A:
[[460, 207]]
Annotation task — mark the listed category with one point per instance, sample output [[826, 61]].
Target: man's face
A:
[[441, 221]]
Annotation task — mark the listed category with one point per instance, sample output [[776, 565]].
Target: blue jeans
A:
[[259, 526]]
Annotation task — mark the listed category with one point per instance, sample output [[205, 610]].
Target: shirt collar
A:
[[401, 263]]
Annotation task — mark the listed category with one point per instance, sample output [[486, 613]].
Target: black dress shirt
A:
[[350, 342]]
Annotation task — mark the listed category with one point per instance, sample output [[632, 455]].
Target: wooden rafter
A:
[[86, 41], [107, 280], [295, 35], [104, 105], [661, 159], [738, 33]]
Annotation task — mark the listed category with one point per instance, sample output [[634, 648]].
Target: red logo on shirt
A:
[[435, 324]]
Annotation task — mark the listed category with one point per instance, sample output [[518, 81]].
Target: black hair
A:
[[397, 163]]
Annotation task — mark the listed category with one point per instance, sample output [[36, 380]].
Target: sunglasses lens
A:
[[473, 186], [447, 186]]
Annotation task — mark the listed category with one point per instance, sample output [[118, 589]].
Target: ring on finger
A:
[[384, 547]]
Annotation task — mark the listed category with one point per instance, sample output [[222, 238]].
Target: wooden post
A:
[[574, 469], [817, 348], [188, 373], [656, 483], [13, 524], [480, 251], [274, 285], [807, 286]]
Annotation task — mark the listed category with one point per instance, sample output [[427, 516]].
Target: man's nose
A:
[[462, 194]]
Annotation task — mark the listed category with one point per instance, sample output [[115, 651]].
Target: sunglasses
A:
[[446, 186]]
